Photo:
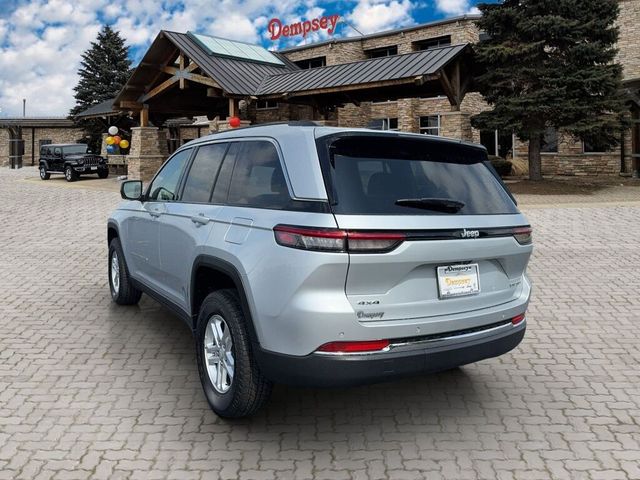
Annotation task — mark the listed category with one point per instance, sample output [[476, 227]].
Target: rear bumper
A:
[[406, 359]]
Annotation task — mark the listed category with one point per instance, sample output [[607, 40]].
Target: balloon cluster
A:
[[115, 142]]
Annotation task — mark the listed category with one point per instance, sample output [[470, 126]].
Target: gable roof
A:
[[395, 67], [243, 77]]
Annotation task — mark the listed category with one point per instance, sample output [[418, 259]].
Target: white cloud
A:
[[375, 15], [41, 41], [456, 7]]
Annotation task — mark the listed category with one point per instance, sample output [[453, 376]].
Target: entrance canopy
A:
[[192, 74]]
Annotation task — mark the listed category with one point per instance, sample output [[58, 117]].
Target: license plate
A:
[[458, 280], [94, 168]]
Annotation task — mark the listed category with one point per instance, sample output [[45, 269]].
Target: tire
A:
[[44, 175], [122, 290], [245, 390], [70, 174], [103, 172]]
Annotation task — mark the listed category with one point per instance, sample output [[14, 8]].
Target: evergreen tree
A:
[[105, 68], [550, 63]]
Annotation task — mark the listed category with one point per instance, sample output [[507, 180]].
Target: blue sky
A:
[[41, 40]]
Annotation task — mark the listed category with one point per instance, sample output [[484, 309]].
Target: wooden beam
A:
[[144, 116], [159, 89], [449, 90], [130, 105], [347, 88], [234, 107], [173, 70]]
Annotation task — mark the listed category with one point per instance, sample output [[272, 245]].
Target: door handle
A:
[[200, 220]]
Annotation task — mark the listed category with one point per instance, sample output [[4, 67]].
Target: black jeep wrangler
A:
[[72, 159]]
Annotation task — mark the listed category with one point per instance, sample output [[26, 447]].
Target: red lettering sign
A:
[[277, 30]]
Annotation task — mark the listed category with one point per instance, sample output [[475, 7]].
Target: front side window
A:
[[164, 187], [76, 149], [203, 172], [386, 175], [430, 125], [258, 179]]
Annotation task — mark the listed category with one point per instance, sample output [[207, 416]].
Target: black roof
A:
[[395, 67], [102, 109], [44, 122]]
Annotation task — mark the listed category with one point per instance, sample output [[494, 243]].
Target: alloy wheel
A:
[[115, 273], [218, 354]]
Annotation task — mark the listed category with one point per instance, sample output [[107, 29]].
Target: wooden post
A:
[[144, 116], [182, 65], [234, 107]]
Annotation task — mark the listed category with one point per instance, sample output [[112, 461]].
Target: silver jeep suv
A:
[[323, 256]]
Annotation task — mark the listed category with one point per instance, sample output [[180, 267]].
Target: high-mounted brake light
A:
[[335, 240], [354, 347], [523, 235]]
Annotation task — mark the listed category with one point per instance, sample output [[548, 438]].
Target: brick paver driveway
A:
[[92, 390]]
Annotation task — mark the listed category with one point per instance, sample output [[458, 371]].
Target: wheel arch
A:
[[112, 232], [210, 274]]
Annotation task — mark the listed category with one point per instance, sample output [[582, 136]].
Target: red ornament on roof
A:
[[234, 122]]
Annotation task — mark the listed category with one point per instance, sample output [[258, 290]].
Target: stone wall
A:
[[629, 42], [461, 31], [147, 154], [56, 135]]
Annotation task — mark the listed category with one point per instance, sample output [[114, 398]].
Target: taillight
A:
[[523, 235], [335, 240], [319, 239], [517, 319], [354, 347]]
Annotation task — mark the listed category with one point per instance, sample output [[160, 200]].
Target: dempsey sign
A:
[[277, 30]]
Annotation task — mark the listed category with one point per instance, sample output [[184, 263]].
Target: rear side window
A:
[[387, 175], [203, 172], [258, 179]]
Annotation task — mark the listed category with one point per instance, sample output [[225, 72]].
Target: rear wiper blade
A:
[[446, 205]]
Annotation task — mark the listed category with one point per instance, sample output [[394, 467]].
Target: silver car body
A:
[[299, 300]]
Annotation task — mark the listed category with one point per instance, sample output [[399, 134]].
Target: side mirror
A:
[[131, 190]]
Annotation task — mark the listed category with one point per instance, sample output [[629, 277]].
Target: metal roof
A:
[[102, 109], [396, 67], [386, 33], [235, 76], [43, 122]]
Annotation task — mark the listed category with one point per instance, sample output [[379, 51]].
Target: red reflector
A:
[[517, 320], [354, 347]]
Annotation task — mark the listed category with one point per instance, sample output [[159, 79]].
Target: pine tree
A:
[[105, 68], [550, 63]]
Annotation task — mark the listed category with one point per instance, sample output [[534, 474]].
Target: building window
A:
[[312, 63], [430, 125], [266, 104], [483, 37], [382, 52], [595, 145], [550, 141], [388, 123], [432, 43], [383, 102]]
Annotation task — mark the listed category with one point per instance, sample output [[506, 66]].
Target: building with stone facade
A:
[[416, 79], [22, 137]]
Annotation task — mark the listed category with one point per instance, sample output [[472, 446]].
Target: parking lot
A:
[[92, 390]]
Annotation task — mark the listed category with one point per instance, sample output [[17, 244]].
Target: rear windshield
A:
[[75, 149], [386, 175]]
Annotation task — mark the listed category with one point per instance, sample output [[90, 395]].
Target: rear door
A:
[[187, 223], [456, 250]]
